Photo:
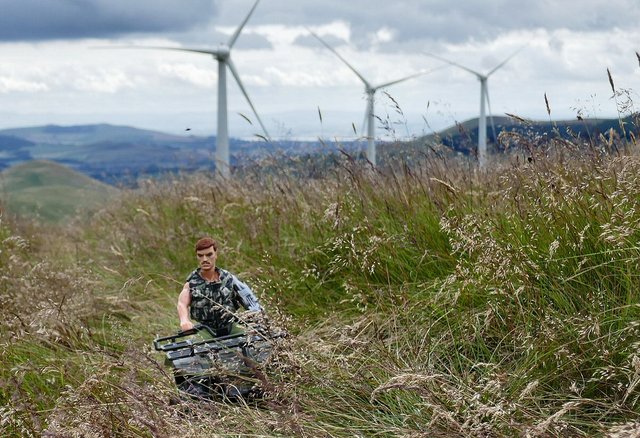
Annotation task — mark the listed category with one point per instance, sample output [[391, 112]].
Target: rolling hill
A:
[[464, 135], [120, 155], [112, 154], [50, 192]]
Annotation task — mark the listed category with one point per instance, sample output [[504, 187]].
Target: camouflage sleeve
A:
[[247, 298]]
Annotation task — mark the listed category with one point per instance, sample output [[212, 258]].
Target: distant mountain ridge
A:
[[82, 134], [121, 154], [109, 153]]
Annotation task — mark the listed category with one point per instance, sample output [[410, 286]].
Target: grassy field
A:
[[431, 300], [50, 192]]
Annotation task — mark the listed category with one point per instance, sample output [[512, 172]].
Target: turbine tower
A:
[[370, 90], [223, 55], [484, 94]]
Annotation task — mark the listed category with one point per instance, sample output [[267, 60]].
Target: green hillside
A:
[[50, 192]]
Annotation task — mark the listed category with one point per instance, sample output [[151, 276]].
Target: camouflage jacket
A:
[[215, 303]]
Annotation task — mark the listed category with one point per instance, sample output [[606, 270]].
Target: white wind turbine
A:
[[484, 93], [370, 90], [223, 55]]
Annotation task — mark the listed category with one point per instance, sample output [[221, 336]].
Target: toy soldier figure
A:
[[212, 295]]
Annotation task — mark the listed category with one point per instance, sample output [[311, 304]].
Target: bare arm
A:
[[184, 300]]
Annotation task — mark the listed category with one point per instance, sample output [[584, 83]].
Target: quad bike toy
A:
[[208, 367]]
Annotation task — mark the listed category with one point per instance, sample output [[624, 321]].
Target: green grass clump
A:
[[422, 300]]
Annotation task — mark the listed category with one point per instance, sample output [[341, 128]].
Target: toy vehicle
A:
[[208, 367]]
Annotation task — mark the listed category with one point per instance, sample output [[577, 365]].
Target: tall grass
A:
[[423, 300]]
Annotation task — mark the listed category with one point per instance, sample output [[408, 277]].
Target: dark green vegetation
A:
[[50, 192], [424, 300]]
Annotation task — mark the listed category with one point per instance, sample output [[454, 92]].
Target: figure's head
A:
[[207, 252], [206, 242]]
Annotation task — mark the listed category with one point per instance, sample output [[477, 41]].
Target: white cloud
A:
[[200, 77], [298, 78], [384, 35], [101, 80], [12, 84]]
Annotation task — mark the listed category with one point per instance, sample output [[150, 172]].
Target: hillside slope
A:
[[433, 301], [50, 192]]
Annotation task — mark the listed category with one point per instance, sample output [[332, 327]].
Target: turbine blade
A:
[[506, 60], [206, 52], [236, 34], [235, 74], [493, 127], [406, 78], [473, 72], [397, 81], [214, 53], [415, 75], [366, 83]]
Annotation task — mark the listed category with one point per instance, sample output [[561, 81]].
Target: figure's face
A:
[[207, 258]]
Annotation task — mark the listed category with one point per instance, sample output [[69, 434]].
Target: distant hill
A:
[[464, 136], [120, 155], [50, 192], [14, 150], [85, 134], [113, 154]]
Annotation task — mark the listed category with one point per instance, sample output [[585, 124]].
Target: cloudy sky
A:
[[60, 62]]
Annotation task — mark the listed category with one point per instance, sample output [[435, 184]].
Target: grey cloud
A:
[[453, 21], [311, 41], [34, 20], [210, 39], [412, 21]]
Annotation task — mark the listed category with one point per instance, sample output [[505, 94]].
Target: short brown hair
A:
[[206, 242]]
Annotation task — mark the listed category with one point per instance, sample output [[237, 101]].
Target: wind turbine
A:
[[370, 90], [223, 55], [484, 93]]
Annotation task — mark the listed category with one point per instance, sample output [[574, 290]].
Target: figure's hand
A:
[[186, 325]]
